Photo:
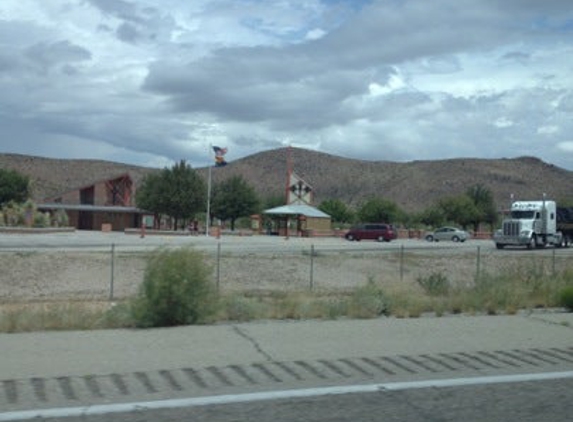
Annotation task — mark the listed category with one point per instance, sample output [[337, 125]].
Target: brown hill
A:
[[51, 177], [412, 185]]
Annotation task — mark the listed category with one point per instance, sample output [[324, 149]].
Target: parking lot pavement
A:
[[96, 240]]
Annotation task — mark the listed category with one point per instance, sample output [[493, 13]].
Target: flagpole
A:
[[288, 173], [208, 216]]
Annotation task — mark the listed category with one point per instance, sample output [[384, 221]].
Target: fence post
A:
[[112, 271], [401, 262], [312, 267], [478, 263], [218, 265], [553, 263]]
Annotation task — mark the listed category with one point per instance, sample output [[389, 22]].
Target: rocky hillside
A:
[[412, 185]]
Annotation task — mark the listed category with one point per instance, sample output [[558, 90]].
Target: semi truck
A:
[[536, 224]]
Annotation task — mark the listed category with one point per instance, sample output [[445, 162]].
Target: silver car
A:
[[448, 233]]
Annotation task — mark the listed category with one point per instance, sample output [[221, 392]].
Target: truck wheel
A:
[[499, 245], [532, 243]]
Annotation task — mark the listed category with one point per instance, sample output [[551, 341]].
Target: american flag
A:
[[220, 156]]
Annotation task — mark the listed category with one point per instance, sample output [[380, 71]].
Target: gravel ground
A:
[[97, 275]]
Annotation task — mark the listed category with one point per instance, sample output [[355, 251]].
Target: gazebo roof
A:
[[306, 210]]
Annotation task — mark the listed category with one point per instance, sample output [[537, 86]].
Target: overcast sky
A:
[[151, 82]]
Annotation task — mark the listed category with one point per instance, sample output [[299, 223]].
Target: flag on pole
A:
[[220, 156]]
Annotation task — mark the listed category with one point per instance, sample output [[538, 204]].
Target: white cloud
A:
[[315, 34], [566, 146], [547, 130], [395, 83], [503, 122]]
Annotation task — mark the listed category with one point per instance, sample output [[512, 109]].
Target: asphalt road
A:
[[197, 368], [525, 401], [93, 241]]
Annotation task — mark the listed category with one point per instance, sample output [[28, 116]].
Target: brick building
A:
[[105, 204]]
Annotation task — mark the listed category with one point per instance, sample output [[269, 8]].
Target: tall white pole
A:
[[207, 217]]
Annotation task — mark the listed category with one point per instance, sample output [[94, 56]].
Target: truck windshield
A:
[[522, 215]]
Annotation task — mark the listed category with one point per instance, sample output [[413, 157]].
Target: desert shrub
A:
[[242, 308], [405, 300], [334, 308], [435, 284], [41, 219], [13, 214], [290, 305], [118, 315], [60, 219], [566, 298], [494, 293], [368, 301], [176, 290]]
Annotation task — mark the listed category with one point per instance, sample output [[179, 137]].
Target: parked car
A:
[[448, 233], [371, 231]]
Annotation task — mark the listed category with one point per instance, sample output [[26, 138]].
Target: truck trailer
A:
[[536, 224]]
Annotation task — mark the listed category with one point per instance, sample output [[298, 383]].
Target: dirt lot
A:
[[57, 275]]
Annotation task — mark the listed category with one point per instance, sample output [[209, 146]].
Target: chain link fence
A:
[[115, 273]]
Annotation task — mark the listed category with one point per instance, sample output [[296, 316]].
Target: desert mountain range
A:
[[412, 185]]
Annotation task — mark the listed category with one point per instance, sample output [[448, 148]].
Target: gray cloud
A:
[[158, 81], [279, 84], [121, 9], [266, 85], [61, 52], [127, 33], [138, 23]]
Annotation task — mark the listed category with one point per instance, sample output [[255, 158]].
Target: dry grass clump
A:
[[52, 316], [432, 294], [364, 302]]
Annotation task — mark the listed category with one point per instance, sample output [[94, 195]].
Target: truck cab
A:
[[530, 223]]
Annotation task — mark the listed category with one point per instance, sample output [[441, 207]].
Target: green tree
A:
[[337, 210], [178, 192], [565, 201], [380, 210], [232, 199], [13, 187], [273, 201], [149, 194], [459, 210], [432, 216], [482, 198]]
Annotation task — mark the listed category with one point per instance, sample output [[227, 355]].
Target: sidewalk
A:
[[57, 354]]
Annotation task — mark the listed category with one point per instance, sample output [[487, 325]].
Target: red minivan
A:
[[371, 231]]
